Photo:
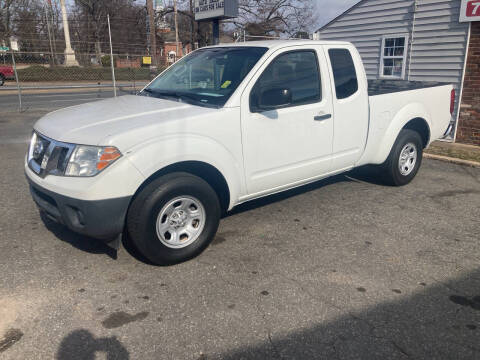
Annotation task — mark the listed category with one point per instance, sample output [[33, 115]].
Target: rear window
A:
[[344, 73]]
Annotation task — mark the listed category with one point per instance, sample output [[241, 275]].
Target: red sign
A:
[[473, 8], [470, 10]]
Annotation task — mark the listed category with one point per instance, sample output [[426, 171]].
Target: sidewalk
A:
[[454, 152]]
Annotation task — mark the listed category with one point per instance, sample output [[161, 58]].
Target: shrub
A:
[[105, 60], [75, 73]]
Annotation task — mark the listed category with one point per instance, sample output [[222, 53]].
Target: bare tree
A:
[[96, 12], [257, 17], [5, 19], [128, 22], [274, 17]]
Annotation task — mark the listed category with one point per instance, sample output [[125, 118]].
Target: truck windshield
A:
[[207, 77]]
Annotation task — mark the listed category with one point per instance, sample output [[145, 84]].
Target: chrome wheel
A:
[[180, 222], [408, 159]]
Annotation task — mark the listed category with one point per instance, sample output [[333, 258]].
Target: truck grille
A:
[[47, 156]]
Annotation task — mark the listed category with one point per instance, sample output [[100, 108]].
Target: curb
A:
[[452, 160]]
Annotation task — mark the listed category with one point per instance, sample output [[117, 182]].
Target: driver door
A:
[[292, 143]]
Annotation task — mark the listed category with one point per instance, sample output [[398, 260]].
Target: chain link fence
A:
[[38, 67], [38, 71], [40, 63]]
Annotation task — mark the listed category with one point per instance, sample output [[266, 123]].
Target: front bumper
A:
[[100, 219]]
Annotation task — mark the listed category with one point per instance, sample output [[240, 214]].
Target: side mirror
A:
[[273, 98]]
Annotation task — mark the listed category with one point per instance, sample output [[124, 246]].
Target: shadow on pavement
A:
[[436, 322], [284, 195], [78, 241], [368, 174], [440, 321], [132, 250], [82, 345]]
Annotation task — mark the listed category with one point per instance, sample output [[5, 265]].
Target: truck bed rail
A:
[[380, 87]]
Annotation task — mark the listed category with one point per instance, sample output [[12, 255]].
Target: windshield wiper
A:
[[161, 93], [175, 94], [180, 96]]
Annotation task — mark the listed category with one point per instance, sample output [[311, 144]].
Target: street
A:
[[344, 268], [54, 99]]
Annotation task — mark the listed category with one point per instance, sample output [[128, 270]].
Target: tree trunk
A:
[[153, 32], [98, 45], [98, 51]]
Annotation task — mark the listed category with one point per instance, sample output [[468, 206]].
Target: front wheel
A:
[[174, 218], [2, 80], [405, 158]]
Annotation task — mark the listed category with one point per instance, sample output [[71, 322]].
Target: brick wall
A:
[[469, 120]]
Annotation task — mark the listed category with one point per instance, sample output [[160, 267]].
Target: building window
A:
[[394, 56]]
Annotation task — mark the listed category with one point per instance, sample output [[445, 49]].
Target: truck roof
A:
[[271, 44]]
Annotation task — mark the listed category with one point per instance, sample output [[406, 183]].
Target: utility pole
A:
[[153, 32], [176, 27], [69, 54], [216, 31], [192, 25], [111, 57]]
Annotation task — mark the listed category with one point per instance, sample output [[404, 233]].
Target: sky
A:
[[327, 10]]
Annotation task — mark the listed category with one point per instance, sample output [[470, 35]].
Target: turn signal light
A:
[[109, 155]]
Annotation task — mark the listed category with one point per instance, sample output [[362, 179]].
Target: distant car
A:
[[6, 72]]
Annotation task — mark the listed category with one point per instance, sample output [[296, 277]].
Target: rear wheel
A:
[[174, 218], [2, 80], [405, 158]]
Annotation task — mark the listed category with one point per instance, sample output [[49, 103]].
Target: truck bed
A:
[[380, 87]]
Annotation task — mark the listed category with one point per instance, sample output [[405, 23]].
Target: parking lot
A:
[[344, 268]]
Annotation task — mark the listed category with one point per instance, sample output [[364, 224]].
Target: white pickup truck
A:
[[222, 126]]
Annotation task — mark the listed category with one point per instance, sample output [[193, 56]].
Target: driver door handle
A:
[[322, 117]]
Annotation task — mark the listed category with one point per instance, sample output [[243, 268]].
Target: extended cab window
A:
[[344, 73], [296, 71]]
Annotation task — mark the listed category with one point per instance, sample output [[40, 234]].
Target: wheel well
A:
[[204, 171], [420, 126]]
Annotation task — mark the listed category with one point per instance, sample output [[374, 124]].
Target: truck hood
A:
[[94, 122]]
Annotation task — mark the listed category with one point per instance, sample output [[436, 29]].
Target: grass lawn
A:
[[457, 151]]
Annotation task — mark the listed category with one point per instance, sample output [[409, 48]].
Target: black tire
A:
[[391, 167], [2, 80], [145, 208]]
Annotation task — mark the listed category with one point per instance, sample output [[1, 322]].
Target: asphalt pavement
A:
[[54, 99], [345, 268]]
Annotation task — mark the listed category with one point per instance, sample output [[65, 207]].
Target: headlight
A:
[[90, 160]]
